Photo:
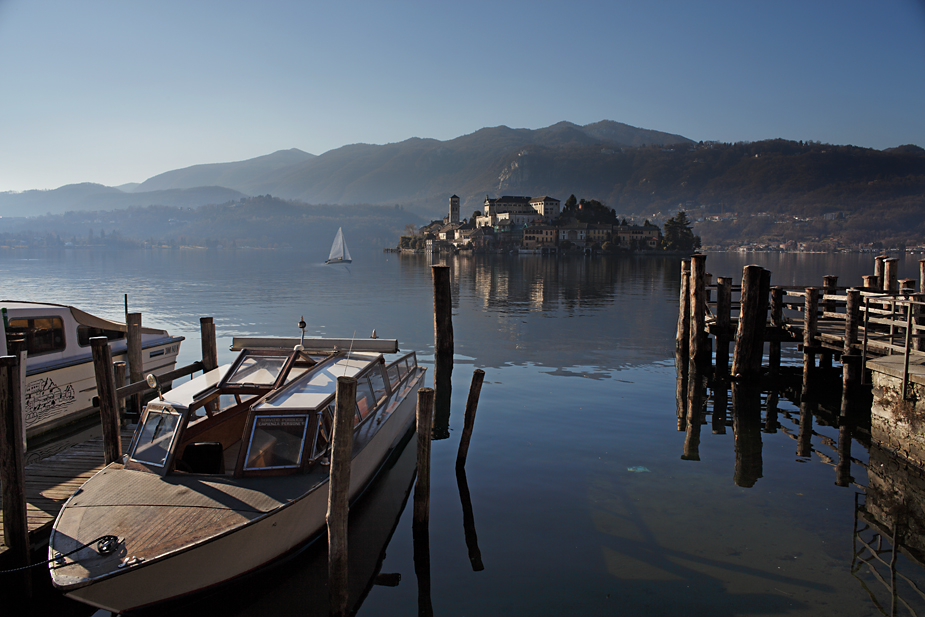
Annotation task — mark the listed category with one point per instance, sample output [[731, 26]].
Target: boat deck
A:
[[51, 481]]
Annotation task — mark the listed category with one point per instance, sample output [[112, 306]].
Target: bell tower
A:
[[454, 209]]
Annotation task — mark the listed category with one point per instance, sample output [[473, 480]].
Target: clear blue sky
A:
[[117, 91]]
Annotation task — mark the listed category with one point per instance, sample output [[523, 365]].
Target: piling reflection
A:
[[472, 540], [696, 412], [889, 546], [746, 423]]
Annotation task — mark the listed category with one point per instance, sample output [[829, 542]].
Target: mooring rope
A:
[[105, 545]]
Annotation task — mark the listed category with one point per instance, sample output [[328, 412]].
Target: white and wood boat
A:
[[339, 252], [60, 383], [229, 471]]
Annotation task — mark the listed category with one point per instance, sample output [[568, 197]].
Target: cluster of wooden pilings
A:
[[828, 323]]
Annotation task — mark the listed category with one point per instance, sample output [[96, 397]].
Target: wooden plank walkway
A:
[[51, 481]]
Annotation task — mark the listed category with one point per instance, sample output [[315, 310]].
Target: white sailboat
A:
[[339, 253]]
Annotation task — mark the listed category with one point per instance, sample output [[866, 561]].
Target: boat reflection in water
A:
[[299, 585]]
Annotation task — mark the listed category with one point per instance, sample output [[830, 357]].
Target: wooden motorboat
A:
[[229, 471], [60, 383]]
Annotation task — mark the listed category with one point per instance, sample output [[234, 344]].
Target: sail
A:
[[339, 251]]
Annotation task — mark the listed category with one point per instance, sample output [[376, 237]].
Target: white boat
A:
[[339, 252], [60, 383], [229, 471]]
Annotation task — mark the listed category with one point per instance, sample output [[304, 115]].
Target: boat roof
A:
[[81, 317], [312, 393]]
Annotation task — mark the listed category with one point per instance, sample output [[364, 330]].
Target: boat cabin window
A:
[[258, 370], [85, 333], [394, 376], [276, 442], [42, 334], [156, 435], [378, 384], [366, 402]]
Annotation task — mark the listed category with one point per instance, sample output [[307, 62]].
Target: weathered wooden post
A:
[[871, 282], [118, 372], [723, 323], [682, 367], [829, 288], [810, 321], [682, 339], [425, 418], [907, 286], [472, 403], [13, 460], [339, 493], [443, 350], [421, 509], [851, 360], [134, 356], [761, 321], [698, 335], [878, 271], [749, 306], [777, 329], [890, 275], [106, 391], [209, 344], [922, 276]]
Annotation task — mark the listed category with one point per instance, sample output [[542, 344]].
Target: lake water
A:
[[583, 493]]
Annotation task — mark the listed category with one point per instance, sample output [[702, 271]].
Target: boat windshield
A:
[[156, 435], [258, 370], [276, 442]]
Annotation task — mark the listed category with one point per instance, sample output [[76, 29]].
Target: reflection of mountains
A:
[[589, 311]]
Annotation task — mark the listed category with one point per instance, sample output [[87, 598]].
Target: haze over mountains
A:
[[746, 190], [415, 172]]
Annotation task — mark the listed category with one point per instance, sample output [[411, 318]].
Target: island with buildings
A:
[[542, 225]]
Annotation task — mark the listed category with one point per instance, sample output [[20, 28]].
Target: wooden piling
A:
[[878, 271], [922, 276], [761, 320], [871, 282], [890, 275], [443, 351], [339, 493], [209, 344], [682, 339], [106, 391], [472, 403], [777, 329], [852, 317], [12, 460], [698, 296], [118, 372], [425, 419], [749, 306], [829, 288], [134, 356], [723, 323], [810, 316]]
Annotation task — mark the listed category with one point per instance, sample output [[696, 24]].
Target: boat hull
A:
[[247, 547]]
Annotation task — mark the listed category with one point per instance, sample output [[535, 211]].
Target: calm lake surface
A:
[[583, 494]]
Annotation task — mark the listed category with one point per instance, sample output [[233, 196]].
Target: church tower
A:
[[454, 209]]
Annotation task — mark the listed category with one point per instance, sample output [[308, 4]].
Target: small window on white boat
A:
[[394, 376], [276, 442], [365, 400], [377, 382], [85, 333], [157, 433], [42, 334]]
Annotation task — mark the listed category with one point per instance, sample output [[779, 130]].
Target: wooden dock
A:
[[51, 481]]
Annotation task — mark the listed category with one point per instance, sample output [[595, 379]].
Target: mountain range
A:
[[420, 173]]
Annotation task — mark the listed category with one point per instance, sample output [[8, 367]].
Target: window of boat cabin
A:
[[377, 383], [85, 333], [42, 334], [366, 401], [276, 442], [258, 369], [158, 430]]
